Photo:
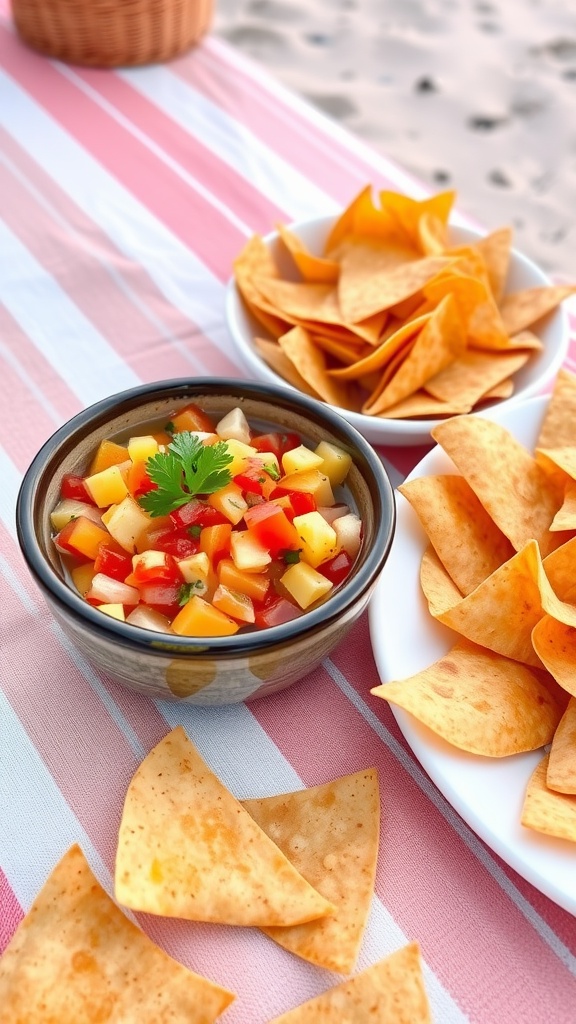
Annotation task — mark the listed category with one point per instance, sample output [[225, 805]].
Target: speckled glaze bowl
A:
[[204, 671]]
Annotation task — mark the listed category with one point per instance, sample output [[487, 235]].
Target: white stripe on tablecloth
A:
[[547, 934], [45, 824], [57, 327], [177, 272], [232, 142]]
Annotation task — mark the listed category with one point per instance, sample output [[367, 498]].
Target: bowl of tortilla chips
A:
[[395, 316]]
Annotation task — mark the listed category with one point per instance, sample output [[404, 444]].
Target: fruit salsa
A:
[[202, 529]]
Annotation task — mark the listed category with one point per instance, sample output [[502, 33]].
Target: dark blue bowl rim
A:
[[61, 443]]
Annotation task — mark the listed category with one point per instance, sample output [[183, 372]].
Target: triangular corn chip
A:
[[547, 811]]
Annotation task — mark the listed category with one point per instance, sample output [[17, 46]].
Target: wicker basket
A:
[[110, 33]]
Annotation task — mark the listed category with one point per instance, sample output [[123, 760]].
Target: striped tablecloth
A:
[[124, 197]]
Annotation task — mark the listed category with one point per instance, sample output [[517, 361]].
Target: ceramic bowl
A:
[[205, 671], [540, 369]]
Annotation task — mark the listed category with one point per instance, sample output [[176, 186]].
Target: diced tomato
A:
[[164, 571], [197, 513], [336, 569], [275, 613], [276, 442], [163, 597], [192, 417], [251, 480], [301, 501], [138, 480], [271, 528], [73, 486], [112, 563], [178, 543]]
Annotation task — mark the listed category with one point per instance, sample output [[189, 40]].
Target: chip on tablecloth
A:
[[390, 992], [479, 701], [187, 848], [77, 959], [330, 833]]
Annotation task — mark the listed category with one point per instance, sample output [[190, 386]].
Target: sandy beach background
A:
[[476, 95]]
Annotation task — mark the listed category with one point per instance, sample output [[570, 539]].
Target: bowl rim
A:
[[70, 603], [410, 430]]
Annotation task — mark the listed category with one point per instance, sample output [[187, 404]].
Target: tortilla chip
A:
[[381, 356], [472, 374], [468, 292], [559, 569], [502, 390], [558, 463], [555, 644], [547, 811], [76, 959], [330, 834], [522, 309], [557, 427], [478, 701], [565, 518], [391, 991], [388, 287], [466, 539], [432, 234], [441, 340], [438, 587], [281, 364], [496, 249], [310, 363], [409, 212], [314, 269], [361, 217], [561, 773], [188, 849], [421, 404], [510, 484]]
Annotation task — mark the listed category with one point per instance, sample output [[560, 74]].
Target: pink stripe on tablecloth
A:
[[161, 190], [242, 198], [425, 873], [11, 912]]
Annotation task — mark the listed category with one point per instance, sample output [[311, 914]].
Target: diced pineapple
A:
[[82, 576], [299, 459], [115, 611], [317, 538], [311, 481], [234, 425], [70, 508], [234, 603], [241, 454], [335, 462], [107, 487], [230, 501], [196, 570], [143, 447], [305, 584], [108, 454], [126, 522], [247, 553], [348, 531], [149, 559], [198, 618]]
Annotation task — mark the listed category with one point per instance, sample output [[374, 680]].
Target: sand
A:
[[479, 96]]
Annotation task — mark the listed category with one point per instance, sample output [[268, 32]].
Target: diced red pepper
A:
[[112, 563], [138, 480], [276, 442], [301, 501], [336, 569], [274, 613], [271, 527], [251, 480], [178, 543], [73, 487], [163, 597], [165, 572], [197, 513]]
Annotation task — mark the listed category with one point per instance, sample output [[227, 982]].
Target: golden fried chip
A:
[[441, 340], [565, 518], [438, 587], [478, 701], [466, 539], [422, 404], [314, 269], [432, 234], [555, 644], [547, 811], [381, 356], [496, 249], [75, 958], [510, 484], [188, 849], [274, 355], [330, 834], [522, 309], [561, 774], [391, 991], [361, 217], [472, 374], [385, 289], [310, 363], [557, 427], [409, 212], [559, 569]]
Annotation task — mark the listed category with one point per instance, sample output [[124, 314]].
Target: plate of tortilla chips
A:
[[473, 627], [396, 317]]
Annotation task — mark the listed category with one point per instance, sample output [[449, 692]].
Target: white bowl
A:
[[540, 369]]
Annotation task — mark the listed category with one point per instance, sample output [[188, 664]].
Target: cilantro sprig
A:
[[186, 469]]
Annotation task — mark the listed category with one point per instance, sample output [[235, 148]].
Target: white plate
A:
[[530, 380], [488, 793]]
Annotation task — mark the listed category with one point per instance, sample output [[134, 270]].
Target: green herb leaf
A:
[[185, 593], [290, 557], [186, 469], [195, 530], [169, 427], [272, 471]]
